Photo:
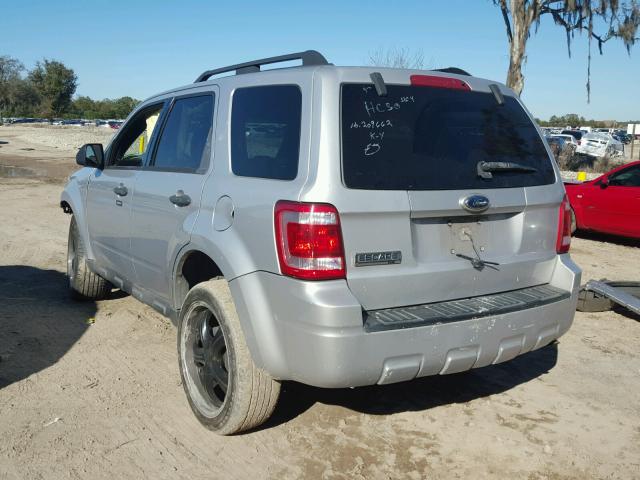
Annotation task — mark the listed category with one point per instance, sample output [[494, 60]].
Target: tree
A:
[[572, 119], [621, 18], [23, 99], [396, 58], [123, 106], [86, 107], [56, 84], [48, 90], [10, 69]]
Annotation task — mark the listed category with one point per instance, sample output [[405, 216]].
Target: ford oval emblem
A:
[[475, 203]]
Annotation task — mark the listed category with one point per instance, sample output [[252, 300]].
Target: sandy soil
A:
[[45, 152], [92, 390]]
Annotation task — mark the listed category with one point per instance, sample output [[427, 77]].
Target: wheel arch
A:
[[72, 204], [208, 266], [192, 266]]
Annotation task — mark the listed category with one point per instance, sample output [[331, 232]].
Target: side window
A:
[[265, 131], [629, 177], [132, 142], [186, 136]]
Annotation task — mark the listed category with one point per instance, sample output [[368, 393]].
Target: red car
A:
[[608, 204]]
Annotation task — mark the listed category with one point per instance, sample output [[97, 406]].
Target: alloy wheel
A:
[[206, 359]]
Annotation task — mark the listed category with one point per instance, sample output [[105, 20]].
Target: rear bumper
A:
[[314, 332]]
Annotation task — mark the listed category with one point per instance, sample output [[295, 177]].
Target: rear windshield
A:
[[423, 138]]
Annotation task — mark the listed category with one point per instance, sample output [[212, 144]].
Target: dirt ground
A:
[[92, 390]]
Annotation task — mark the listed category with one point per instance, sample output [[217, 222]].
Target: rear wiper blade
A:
[[478, 263], [485, 168]]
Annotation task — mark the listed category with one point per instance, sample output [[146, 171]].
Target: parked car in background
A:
[[561, 144], [26, 120], [600, 144], [577, 134], [567, 138], [622, 137], [608, 204], [77, 122], [555, 144]]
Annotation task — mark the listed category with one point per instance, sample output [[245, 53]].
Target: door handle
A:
[[180, 199], [120, 190]]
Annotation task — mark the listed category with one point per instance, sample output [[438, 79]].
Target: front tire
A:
[[83, 283], [227, 392]]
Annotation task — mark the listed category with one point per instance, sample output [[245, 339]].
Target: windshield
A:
[[421, 138]]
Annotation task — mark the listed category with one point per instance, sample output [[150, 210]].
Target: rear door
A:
[[428, 142], [168, 191]]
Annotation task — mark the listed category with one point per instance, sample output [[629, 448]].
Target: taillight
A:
[[309, 240], [438, 82], [564, 227]]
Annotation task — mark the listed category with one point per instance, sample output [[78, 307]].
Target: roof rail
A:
[[309, 57], [454, 70]]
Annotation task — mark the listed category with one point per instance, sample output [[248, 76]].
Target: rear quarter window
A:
[[423, 138], [265, 131]]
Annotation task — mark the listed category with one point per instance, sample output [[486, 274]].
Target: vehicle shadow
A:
[[604, 237], [39, 322], [625, 312], [420, 394]]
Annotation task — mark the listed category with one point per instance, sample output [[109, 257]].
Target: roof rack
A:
[[454, 70], [309, 57]]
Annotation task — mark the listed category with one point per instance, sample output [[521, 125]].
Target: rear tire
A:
[[227, 392], [83, 283], [574, 223]]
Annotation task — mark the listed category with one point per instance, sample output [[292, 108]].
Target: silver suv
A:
[[335, 226]]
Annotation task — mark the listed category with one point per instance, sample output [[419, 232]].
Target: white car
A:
[[567, 138], [599, 145]]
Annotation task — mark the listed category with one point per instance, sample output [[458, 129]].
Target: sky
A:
[[140, 47]]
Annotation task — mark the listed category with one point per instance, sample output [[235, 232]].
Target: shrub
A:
[[567, 159]]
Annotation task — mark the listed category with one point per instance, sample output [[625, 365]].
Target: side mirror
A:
[[91, 155], [604, 183]]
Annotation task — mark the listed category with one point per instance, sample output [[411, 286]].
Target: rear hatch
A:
[[413, 155]]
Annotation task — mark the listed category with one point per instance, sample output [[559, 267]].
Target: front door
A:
[[166, 200], [110, 194], [615, 207]]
